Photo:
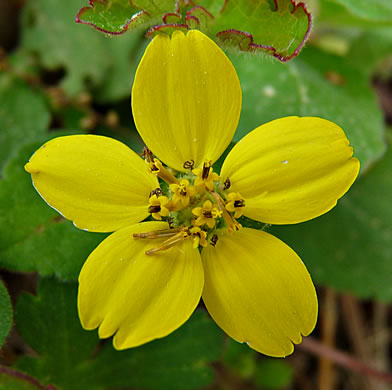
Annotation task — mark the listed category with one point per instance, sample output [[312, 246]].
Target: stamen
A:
[[154, 209], [206, 169], [235, 203], [214, 240], [205, 176], [159, 206], [189, 164], [147, 154], [232, 224], [199, 237], [226, 184], [170, 242], [157, 191], [239, 203], [153, 168], [157, 234], [170, 221], [207, 214], [182, 190], [162, 172], [182, 193]]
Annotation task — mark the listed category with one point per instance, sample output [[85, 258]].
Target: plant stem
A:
[[343, 359]]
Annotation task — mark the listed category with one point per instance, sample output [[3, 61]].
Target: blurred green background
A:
[[58, 77]]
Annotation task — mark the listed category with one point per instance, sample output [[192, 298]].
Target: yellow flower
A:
[[199, 237], [158, 206], [235, 204], [205, 176], [182, 192], [206, 214], [146, 279]]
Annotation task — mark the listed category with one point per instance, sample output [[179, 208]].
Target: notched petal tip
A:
[[118, 284], [266, 299], [29, 168], [292, 169], [97, 182], [192, 126]]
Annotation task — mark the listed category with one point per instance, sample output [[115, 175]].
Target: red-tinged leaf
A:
[[276, 27], [117, 16], [279, 27]]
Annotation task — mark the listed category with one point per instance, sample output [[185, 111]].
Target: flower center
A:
[[197, 205]]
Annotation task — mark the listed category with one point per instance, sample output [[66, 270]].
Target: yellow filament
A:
[[158, 169], [232, 224], [170, 242]]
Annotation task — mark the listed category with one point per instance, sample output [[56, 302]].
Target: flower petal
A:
[[187, 92], [258, 291], [135, 296], [291, 170], [97, 182]]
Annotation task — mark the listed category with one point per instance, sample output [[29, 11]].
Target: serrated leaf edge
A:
[[92, 5], [161, 27], [253, 47]]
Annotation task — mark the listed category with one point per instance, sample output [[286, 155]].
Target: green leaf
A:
[[316, 84], [34, 237], [50, 324], [279, 27], [376, 10], [49, 30], [273, 374], [369, 49], [179, 361], [23, 116], [111, 16], [117, 16], [240, 359], [5, 313], [350, 248], [11, 379], [126, 51]]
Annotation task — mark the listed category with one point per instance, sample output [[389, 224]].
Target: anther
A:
[[147, 154], [189, 164], [214, 240], [154, 209], [206, 170], [170, 221], [207, 214], [226, 184], [158, 169], [239, 203], [182, 190], [157, 191]]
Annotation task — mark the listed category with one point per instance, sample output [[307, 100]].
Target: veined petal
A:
[[138, 297], [291, 170], [258, 291], [97, 182], [186, 99]]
